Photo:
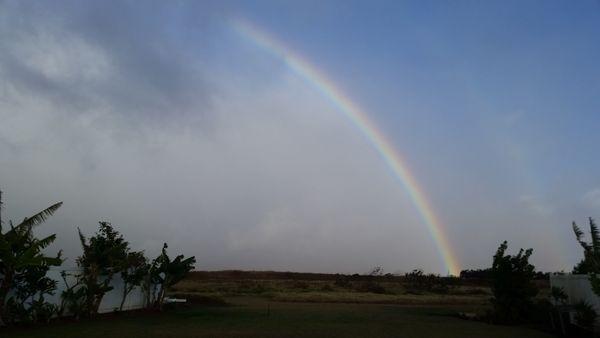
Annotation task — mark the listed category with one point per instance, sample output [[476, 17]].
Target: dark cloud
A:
[[112, 53], [118, 110]]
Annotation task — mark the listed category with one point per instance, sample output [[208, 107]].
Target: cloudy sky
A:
[[163, 119]]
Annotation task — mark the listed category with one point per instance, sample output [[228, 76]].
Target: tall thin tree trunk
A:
[[161, 297], [125, 292]]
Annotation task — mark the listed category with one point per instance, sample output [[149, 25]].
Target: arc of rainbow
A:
[[361, 121]]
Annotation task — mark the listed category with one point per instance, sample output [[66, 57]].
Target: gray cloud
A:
[[154, 117], [103, 108], [110, 53]]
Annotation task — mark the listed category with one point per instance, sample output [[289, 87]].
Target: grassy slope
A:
[[324, 291], [256, 317]]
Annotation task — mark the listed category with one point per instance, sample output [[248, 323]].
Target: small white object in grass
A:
[[175, 300]]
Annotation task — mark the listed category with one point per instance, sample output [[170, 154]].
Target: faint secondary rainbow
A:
[[360, 119]]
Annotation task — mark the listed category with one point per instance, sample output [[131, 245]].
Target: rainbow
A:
[[360, 119]]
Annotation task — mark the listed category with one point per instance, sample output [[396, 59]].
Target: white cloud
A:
[[535, 205], [63, 57]]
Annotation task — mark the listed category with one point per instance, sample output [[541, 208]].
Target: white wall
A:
[[577, 287], [111, 300]]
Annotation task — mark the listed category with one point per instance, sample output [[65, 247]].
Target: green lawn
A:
[[258, 317]]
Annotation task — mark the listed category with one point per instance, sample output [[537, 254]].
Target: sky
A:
[[168, 121]]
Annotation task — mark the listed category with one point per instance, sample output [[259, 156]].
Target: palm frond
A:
[[81, 237], [43, 243], [595, 236], [579, 237], [40, 217]]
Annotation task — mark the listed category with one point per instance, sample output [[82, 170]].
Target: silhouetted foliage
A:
[[512, 285], [371, 284], [341, 281], [485, 276], [376, 271], [558, 295], [585, 315], [27, 304], [102, 257], [134, 269], [164, 273], [591, 255], [481, 274], [417, 282], [73, 298], [23, 266], [582, 268]]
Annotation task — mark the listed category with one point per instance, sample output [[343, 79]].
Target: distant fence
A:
[[110, 301]]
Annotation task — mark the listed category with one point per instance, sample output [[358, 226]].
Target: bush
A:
[[23, 267], [512, 286], [102, 257], [370, 286], [591, 255], [543, 314], [585, 315], [164, 273], [558, 295], [416, 282], [341, 281]]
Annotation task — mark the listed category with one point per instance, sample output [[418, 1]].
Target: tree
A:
[[165, 273], [102, 257], [133, 270], [480, 274], [590, 264], [27, 302], [512, 285], [73, 298], [22, 261]]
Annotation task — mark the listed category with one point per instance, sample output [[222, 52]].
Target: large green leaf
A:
[[40, 217]]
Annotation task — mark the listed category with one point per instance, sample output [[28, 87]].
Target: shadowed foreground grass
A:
[[255, 317]]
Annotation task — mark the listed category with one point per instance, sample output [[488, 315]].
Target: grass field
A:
[[274, 304], [260, 317]]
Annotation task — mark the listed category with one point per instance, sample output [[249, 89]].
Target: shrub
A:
[[102, 257], [73, 298], [27, 304], [23, 266], [341, 281], [585, 315], [512, 285], [558, 295], [416, 282], [164, 273], [591, 255], [134, 269], [370, 286]]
